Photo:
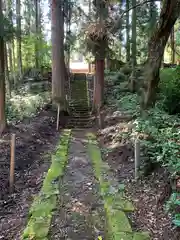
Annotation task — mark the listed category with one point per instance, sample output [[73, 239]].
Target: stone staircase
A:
[[79, 108]]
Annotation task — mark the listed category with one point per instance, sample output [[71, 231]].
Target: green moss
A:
[[124, 204], [141, 236], [115, 203], [42, 208], [124, 236]]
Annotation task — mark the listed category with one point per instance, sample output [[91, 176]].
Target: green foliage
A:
[[170, 88], [120, 78], [21, 106], [28, 46], [172, 205], [172, 202], [126, 70], [42, 208], [176, 220], [162, 144], [7, 30], [129, 104]]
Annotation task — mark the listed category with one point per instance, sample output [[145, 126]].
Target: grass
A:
[[44, 204], [115, 203]]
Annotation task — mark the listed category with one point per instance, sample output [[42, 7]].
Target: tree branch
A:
[[116, 24], [137, 5]]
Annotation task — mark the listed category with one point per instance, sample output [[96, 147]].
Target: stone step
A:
[[78, 96], [80, 120], [80, 113], [81, 116], [79, 107], [72, 125], [78, 101]]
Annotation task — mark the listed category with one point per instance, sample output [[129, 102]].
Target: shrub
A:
[[170, 88], [162, 144], [126, 70], [118, 78], [21, 106]]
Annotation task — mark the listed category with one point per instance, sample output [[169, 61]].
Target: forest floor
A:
[[80, 213], [146, 193], [36, 138]]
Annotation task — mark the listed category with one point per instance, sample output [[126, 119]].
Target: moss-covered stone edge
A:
[[44, 204], [116, 205]]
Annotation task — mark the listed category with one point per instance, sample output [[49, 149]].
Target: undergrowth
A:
[[25, 105], [157, 128], [160, 128]]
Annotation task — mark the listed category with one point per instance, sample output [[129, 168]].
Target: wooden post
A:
[[12, 163], [58, 113], [99, 117], [137, 157]]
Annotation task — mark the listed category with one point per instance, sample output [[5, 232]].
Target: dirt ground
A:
[[145, 193], [35, 140], [80, 213]]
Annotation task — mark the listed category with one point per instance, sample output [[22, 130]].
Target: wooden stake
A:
[[12, 163], [58, 113], [100, 119], [137, 157]]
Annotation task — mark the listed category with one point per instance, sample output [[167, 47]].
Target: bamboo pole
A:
[[12, 162]]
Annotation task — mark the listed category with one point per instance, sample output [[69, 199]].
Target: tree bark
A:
[[169, 14], [58, 64], [173, 50], [127, 33], [99, 84], [101, 16], [18, 35], [152, 17], [7, 78], [36, 2], [133, 37], [2, 77]]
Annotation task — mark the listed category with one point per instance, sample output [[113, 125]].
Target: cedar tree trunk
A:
[[2, 77], [169, 14]]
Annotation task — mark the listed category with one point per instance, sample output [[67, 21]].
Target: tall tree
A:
[[2, 74], [100, 42], [133, 37], [127, 32], [168, 16], [173, 50], [152, 16], [37, 32], [68, 17], [18, 35], [58, 64]]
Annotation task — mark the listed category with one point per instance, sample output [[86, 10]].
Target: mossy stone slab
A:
[[141, 236], [118, 221]]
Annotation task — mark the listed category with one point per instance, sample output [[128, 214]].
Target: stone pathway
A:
[[80, 210]]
